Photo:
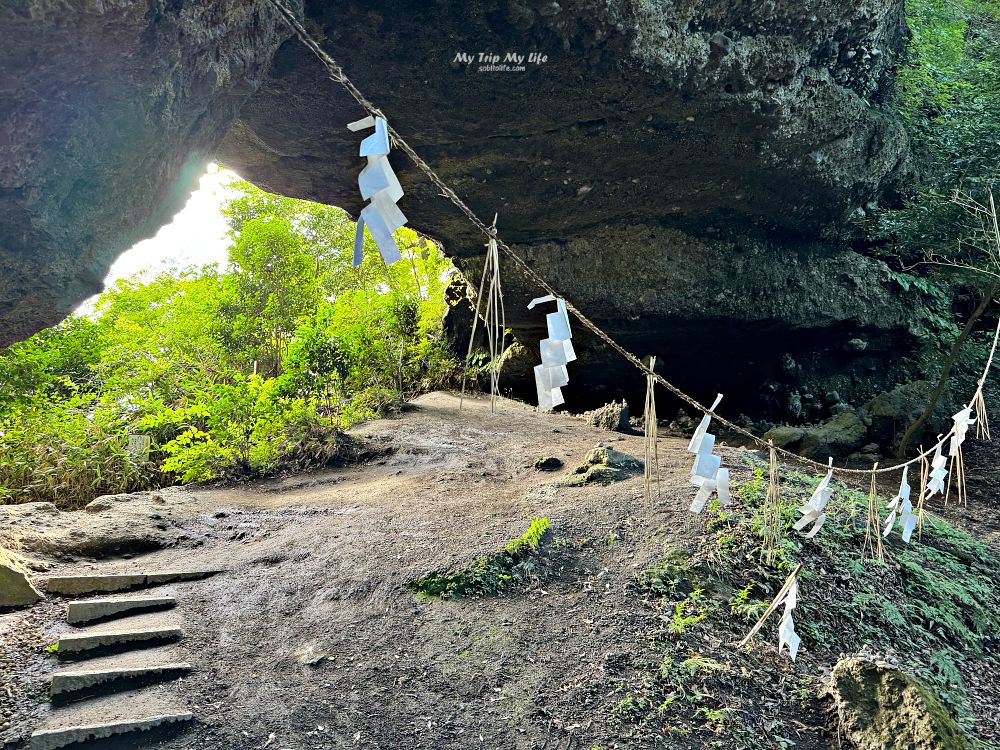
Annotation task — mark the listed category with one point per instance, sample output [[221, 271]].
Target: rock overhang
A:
[[710, 128]]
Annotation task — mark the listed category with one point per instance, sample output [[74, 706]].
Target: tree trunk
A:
[[949, 361]]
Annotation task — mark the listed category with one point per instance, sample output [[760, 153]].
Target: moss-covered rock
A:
[[838, 436], [785, 436], [612, 417], [604, 466], [881, 708]]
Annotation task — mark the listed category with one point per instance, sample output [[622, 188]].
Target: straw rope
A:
[[337, 74]]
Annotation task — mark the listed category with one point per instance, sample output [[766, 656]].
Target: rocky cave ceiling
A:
[[684, 171]]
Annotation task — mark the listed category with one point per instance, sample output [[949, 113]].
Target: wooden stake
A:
[[772, 510], [652, 462], [774, 605]]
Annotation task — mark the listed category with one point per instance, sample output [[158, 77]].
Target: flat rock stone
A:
[[76, 680], [77, 643], [52, 739], [89, 584], [78, 613], [15, 588]]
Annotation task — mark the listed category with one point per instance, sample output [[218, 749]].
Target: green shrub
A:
[[488, 575]]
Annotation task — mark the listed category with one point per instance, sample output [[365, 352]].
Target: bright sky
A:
[[196, 236]]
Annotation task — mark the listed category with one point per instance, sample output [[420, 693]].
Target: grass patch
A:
[[933, 606], [490, 574]]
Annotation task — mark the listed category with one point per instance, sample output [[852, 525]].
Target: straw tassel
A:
[[924, 473], [956, 468], [494, 320], [652, 462], [873, 527], [772, 510], [982, 422], [775, 603]]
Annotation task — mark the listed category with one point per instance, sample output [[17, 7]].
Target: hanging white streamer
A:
[[813, 510], [378, 183], [556, 351], [707, 474], [900, 505], [962, 422], [786, 629], [935, 481]]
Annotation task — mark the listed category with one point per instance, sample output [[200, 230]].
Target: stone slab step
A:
[[53, 739], [91, 584], [79, 613], [73, 644], [121, 709], [69, 681]]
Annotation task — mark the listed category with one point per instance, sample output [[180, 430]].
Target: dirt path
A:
[[311, 640]]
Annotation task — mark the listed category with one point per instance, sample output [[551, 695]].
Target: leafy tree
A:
[[173, 357]]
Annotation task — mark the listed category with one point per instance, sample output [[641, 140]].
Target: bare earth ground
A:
[[319, 563]]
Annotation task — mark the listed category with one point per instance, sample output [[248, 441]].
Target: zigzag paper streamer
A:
[[378, 183], [786, 629], [900, 505], [707, 473], [556, 351], [962, 422], [935, 481], [812, 511]]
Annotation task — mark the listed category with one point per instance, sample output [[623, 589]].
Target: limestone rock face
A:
[[684, 171], [881, 708]]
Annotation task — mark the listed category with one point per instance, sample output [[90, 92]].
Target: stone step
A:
[[67, 682], [53, 739], [155, 707], [90, 584], [73, 644], [79, 613]]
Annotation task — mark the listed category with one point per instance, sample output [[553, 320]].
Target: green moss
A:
[[488, 575]]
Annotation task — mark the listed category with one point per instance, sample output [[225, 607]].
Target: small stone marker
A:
[[138, 445]]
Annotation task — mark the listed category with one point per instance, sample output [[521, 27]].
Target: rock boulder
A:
[[881, 708], [15, 588]]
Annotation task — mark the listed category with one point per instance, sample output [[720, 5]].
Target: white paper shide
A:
[[938, 474], [962, 421], [901, 507], [813, 510], [786, 629], [707, 474], [557, 351], [379, 184]]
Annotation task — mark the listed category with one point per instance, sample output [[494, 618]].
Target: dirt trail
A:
[[311, 640]]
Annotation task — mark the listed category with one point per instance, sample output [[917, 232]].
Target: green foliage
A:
[[490, 574], [68, 452], [242, 372], [949, 95], [687, 612]]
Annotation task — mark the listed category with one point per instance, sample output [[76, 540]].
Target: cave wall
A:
[[109, 111], [684, 171]]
